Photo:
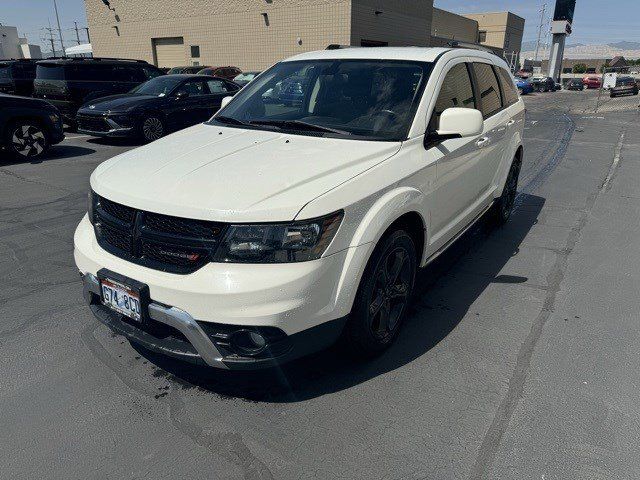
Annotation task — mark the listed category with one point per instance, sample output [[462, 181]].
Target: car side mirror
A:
[[225, 101], [460, 123], [456, 122], [181, 95]]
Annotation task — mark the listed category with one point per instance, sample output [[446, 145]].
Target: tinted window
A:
[[50, 72], [488, 88], [151, 72], [193, 87], [5, 71], [508, 87], [217, 86], [24, 70], [456, 91], [160, 86]]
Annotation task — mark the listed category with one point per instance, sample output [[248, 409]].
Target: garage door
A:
[[169, 52]]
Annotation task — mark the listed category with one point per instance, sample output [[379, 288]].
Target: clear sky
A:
[[596, 21]]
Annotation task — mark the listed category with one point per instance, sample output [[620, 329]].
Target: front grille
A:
[[93, 124], [161, 242]]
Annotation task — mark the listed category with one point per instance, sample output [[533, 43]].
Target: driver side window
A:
[[194, 88], [456, 91]]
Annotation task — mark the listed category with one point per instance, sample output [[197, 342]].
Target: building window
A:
[[482, 36], [195, 51]]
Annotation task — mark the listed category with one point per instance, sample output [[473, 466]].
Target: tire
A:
[[504, 205], [383, 296], [151, 128], [26, 139], [540, 89]]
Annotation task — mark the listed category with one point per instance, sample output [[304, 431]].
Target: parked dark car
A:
[[68, 83], [575, 84], [16, 76], [624, 86], [223, 72], [155, 108], [244, 78], [188, 69], [543, 84], [28, 127]]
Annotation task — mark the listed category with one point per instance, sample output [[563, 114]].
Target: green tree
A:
[[580, 68], [604, 67]]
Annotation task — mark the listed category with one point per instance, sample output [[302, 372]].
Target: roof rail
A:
[[473, 46], [85, 59], [337, 46]]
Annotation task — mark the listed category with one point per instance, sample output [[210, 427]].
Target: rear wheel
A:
[[504, 205], [383, 296], [26, 139], [151, 128]]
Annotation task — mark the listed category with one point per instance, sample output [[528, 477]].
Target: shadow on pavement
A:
[[55, 153], [432, 318]]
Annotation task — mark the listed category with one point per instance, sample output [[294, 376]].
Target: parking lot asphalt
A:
[[519, 358]]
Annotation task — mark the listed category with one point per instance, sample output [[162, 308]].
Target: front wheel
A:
[[26, 139], [383, 296], [504, 205], [151, 129]]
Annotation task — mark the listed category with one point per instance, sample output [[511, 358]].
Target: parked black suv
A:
[[16, 76], [68, 83], [28, 127]]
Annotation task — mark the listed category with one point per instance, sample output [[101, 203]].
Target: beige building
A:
[[250, 34], [450, 26], [500, 30]]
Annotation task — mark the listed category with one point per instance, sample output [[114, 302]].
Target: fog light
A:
[[247, 342]]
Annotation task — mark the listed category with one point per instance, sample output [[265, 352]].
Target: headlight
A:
[[279, 243]]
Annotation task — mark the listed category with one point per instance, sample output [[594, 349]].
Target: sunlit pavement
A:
[[519, 360]]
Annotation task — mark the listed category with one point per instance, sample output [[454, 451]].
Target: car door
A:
[[190, 103], [218, 89], [491, 144], [456, 159]]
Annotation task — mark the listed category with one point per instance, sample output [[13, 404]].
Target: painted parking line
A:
[[68, 137]]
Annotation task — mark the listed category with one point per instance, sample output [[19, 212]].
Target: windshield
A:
[[373, 99], [159, 86], [245, 77]]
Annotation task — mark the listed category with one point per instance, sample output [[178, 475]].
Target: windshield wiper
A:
[[229, 120], [299, 125]]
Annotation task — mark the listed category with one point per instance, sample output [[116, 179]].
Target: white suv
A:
[[299, 213]]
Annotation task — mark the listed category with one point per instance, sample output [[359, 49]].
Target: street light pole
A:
[[55, 6], [544, 7]]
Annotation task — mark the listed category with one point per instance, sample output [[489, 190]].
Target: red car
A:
[[228, 73], [592, 82]]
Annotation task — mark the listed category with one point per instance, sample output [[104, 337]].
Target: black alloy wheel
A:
[[383, 297], [152, 129], [27, 140], [504, 205]]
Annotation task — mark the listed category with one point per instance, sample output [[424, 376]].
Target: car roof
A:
[[185, 76], [421, 54], [92, 61]]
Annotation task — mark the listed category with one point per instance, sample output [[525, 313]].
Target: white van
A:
[[295, 218]]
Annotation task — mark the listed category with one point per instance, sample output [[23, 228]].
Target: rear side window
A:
[[508, 87], [5, 71], [50, 72], [456, 91], [488, 88], [217, 86]]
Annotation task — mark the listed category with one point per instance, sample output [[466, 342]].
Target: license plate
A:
[[121, 298]]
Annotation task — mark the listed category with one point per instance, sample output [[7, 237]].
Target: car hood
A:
[[234, 175], [118, 103]]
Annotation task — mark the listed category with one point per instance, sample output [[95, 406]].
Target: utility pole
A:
[[77, 33], [50, 31], [55, 6], [542, 12], [88, 37]]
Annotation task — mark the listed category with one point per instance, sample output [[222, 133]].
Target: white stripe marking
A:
[[616, 161]]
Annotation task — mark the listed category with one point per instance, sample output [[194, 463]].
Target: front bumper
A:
[[306, 302], [205, 344]]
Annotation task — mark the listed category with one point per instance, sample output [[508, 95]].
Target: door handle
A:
[[483, 142], [511, 122]]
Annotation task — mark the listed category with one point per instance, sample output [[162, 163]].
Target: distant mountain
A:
[[625, 45]]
